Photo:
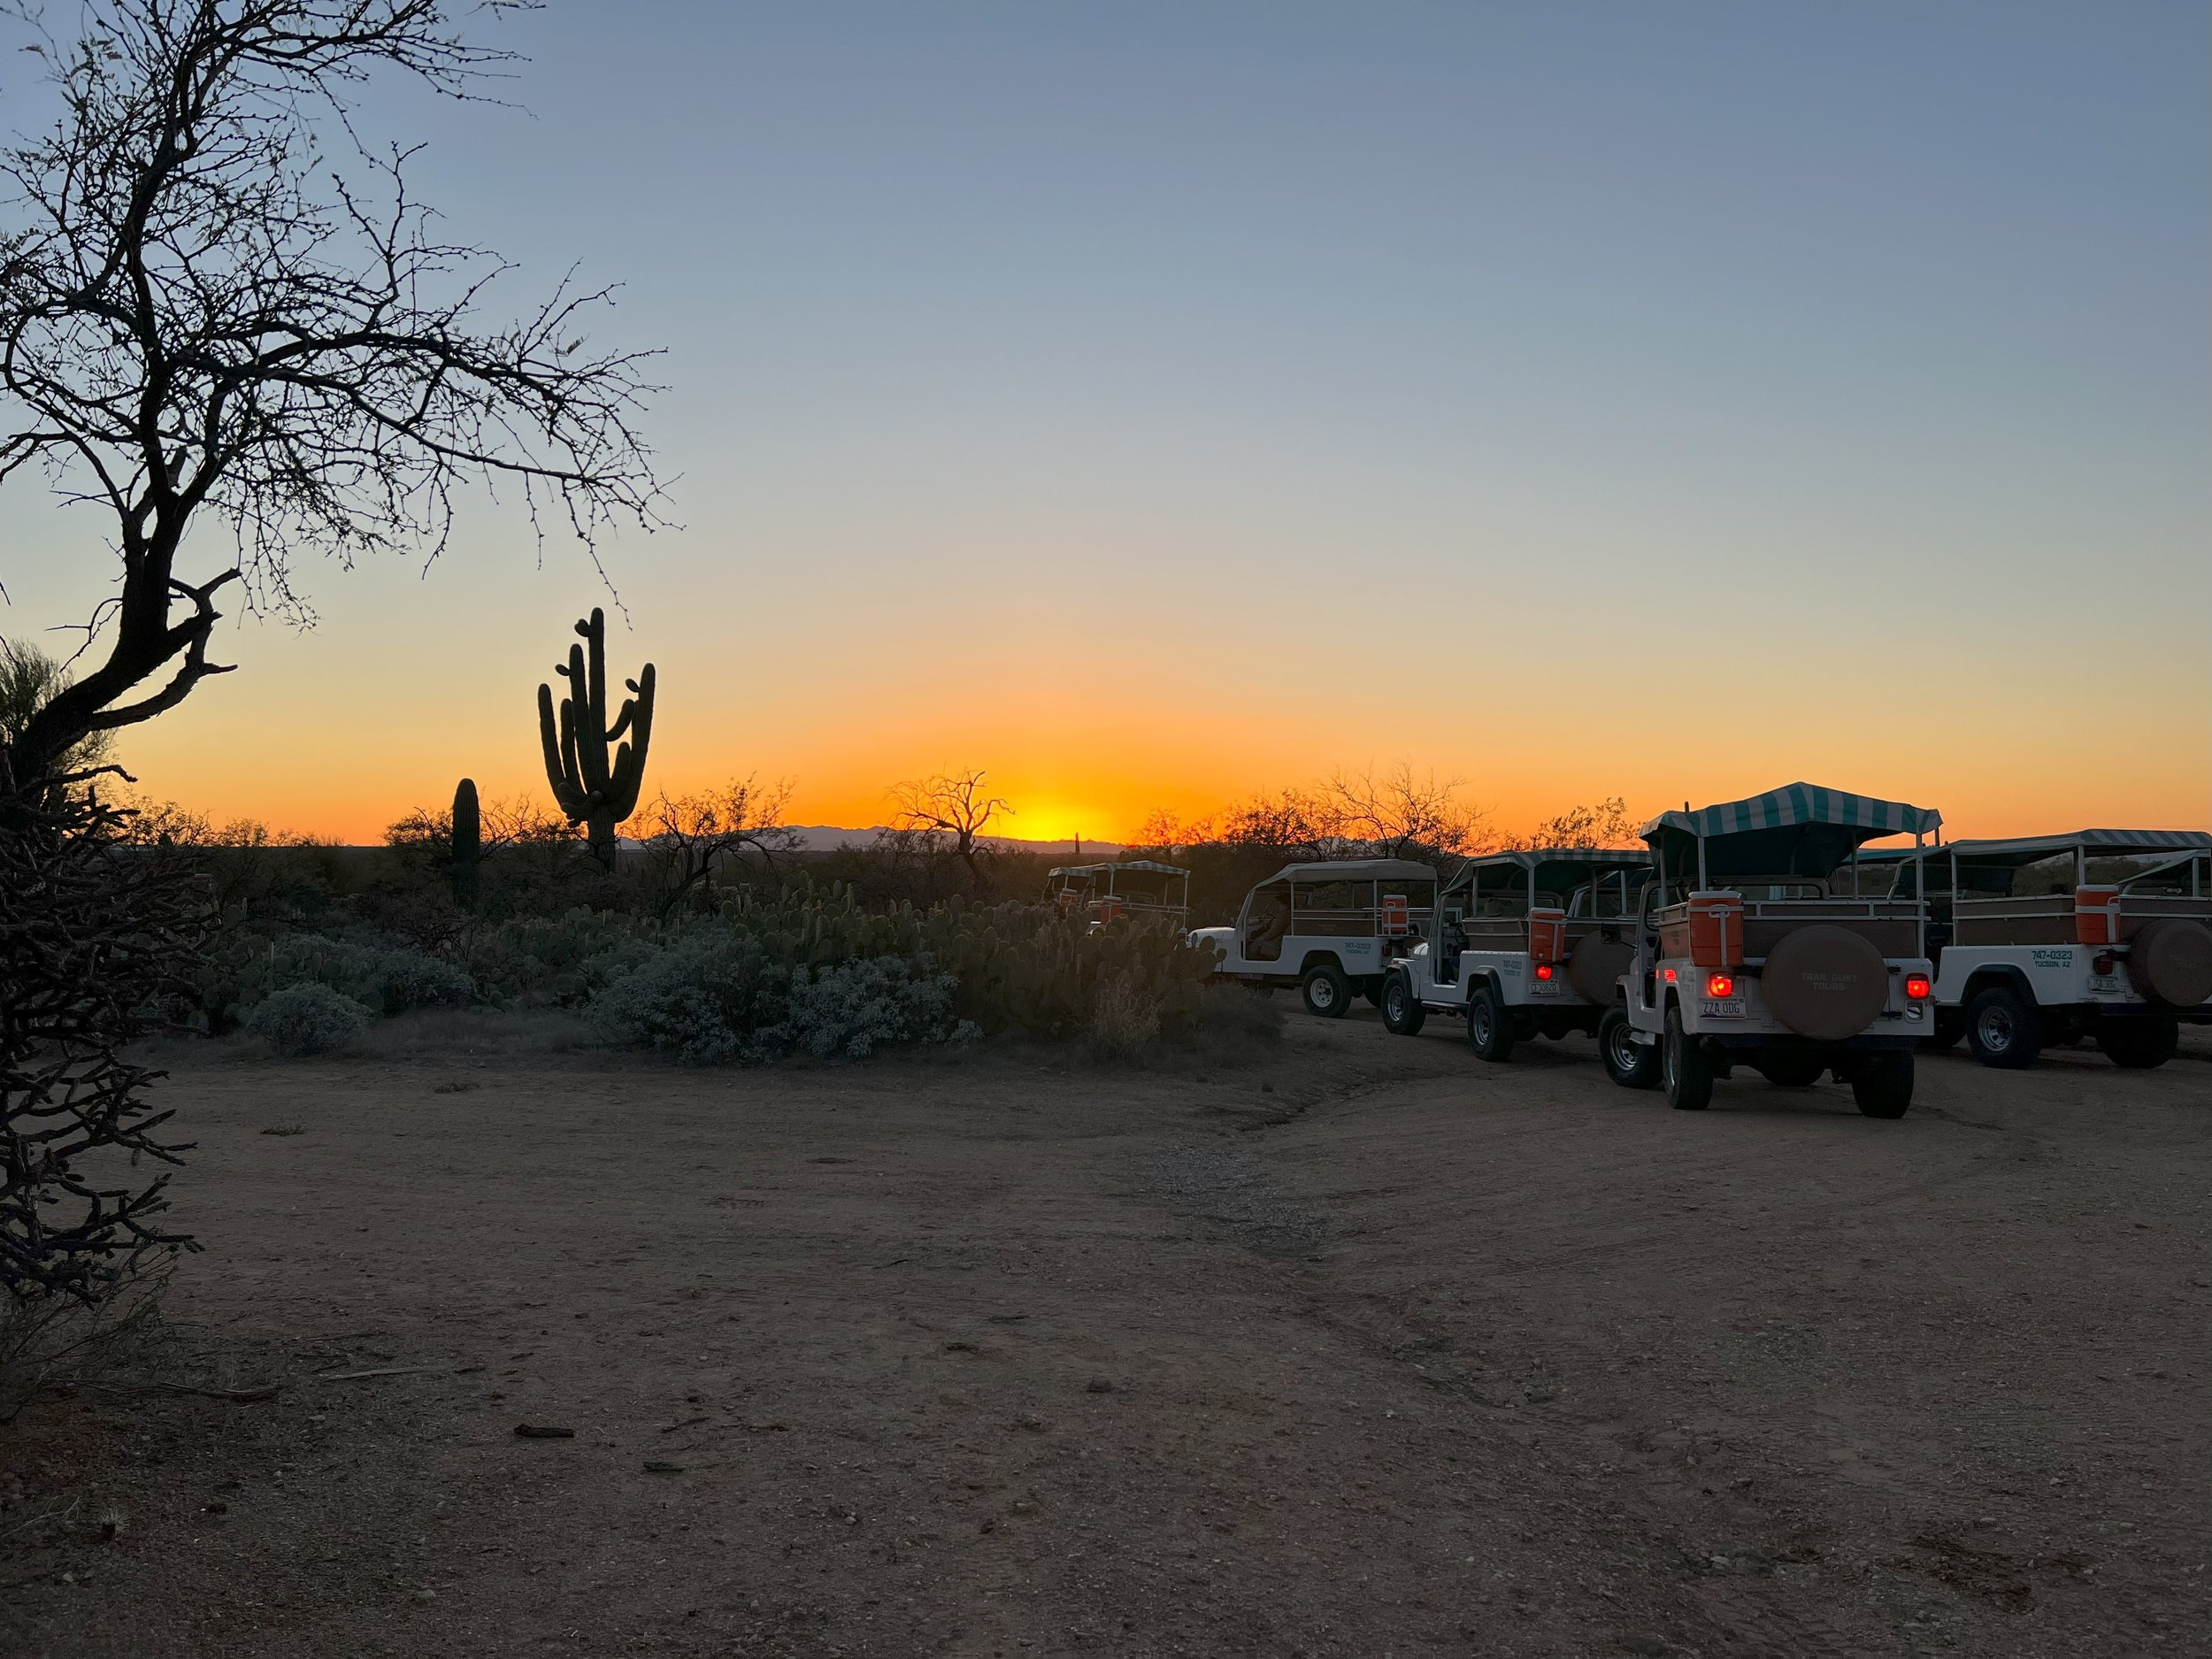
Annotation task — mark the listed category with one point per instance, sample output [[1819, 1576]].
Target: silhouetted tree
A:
[[690, 837], [1399, 814], [199, 323], [950, 804], [1605, 824]]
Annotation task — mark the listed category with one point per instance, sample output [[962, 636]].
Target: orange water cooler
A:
[[1716, 929], [2097, 916]]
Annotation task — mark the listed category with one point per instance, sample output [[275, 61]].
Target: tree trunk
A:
[[599, 831]]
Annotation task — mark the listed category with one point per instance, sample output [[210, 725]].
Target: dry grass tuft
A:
[[1124, 1020]]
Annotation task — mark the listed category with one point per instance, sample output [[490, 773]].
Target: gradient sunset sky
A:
[[1150, 403]]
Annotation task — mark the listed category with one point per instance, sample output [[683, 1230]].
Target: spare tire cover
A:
[[1596, 966], [2171, 961], [1825, 983]]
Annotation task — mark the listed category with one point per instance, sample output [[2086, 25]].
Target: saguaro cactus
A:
[[592, 789], [468, 842]]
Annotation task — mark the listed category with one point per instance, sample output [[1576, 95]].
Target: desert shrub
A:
[[702, 1000], [387, 975], [407, 978], [847, 1010], [557, 961], [761, 975], [1232, 1011], [717, 996], [1124, 1019], [307, 1018]]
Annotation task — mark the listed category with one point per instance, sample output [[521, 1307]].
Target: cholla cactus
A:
[[590, 788]]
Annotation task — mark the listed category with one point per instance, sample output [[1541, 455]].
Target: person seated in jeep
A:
[[1270, 920]]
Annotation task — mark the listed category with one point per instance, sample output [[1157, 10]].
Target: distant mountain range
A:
[[822, 838]]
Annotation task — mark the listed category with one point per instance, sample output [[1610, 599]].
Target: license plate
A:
[[1543, 987], [1720, 1007], [2104, 982]]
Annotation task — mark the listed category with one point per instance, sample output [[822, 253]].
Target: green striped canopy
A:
[[1798, 803], [1801, 829]]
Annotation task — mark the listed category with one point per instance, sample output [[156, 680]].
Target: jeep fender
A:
[[1998, 973], [1491, 978]]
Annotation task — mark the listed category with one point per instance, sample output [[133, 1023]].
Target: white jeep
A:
[[2103, 934], [1745, 953], [1527, 944], [1131, 890], [1328, 928]]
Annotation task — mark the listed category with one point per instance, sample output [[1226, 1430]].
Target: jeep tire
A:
[[1882, 1083], [1489, 1027], [1688, 1073], [2003, 1029], [2141, 1043], [1327, 993], [1630, 1063], [1403, 1013]]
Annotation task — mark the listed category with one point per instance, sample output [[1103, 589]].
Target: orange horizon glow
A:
[[1102, 796]]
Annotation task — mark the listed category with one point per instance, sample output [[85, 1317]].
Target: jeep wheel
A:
[[1489, 1030], [2142, 1044], [1403, 1013], [1792, 1070], [1688, 1073], [1882, 1085], [2003, 1030], [1630, 1063], [1327, 993]]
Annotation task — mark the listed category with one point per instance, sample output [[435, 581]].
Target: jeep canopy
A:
[[2096, 843], [1986, 867], [1798, 830], [1356, 870], [1137, 884], [1556, 869]]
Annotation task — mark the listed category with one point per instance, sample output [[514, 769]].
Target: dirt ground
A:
[[1365, 1347]]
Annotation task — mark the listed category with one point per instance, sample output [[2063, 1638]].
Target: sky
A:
[[1150, 403]]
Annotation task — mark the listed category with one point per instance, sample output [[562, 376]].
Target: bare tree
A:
[[96, 936], [1605, 824], [1399, 813], [691, 837], [1169, 833], [1290, 819], [951, 805], [202, 323]]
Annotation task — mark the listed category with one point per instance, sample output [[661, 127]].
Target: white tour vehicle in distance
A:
[[1745, 954], [2102, 932], [1328, 928], [1527, 943], [1131, 890]]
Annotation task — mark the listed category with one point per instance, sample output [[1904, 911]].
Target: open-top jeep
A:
[[1134, 889], [1745, 953], [1328, 928], [2103, 934], [1526, 944]]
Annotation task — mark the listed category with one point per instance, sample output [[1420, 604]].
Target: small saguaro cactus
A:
[[468, 842], [593, 790]]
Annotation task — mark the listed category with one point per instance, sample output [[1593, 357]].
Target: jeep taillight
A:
[[1546, 971], [1668, 974], [1917, 988], [2103, 961], [1720, 985]]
